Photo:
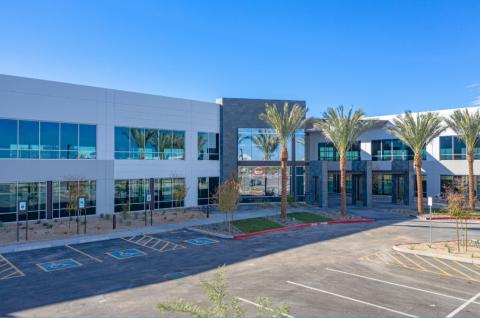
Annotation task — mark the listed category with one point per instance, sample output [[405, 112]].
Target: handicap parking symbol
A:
[[59, 265], [201, 241], [126, 253]]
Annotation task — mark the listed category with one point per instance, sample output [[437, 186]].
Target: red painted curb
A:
[[300, 226]]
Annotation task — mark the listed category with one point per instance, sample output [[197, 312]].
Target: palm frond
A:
[[466, 125], [343, 127], [417, 131]]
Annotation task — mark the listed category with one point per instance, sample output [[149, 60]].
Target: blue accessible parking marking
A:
[[201, 241], [59, 265], [126, 253]]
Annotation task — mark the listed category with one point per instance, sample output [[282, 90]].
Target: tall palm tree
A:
[[467, 127], [268, 144], [416, 132], [285, 123], [343, 128]]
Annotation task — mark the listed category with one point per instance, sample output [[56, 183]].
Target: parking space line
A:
[[433, 265], [462, 306], [467, 268], [398, 285], [352, 299], [83, 253], [260, 306], [456, 270]]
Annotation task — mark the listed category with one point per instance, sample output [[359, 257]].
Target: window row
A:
[[328, 152], [208, 146], [263, 184], [47, 140], [64, 199], [150, 144], [130, 195], [392, 149], [262, 144], [453, 148]]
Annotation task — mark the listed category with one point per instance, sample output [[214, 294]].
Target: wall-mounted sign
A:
[[22, 206], [149, 197], [81, 202]]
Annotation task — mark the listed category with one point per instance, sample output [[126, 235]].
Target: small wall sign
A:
[[81, 202]]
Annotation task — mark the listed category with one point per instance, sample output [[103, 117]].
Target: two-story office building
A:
[[59, 141]]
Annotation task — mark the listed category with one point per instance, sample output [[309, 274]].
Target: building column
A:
[[368, 185], [324, 185], [406, 183], [354, 189], [394, 188]]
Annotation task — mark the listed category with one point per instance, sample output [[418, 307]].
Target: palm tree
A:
[[343, 128], [285, 123], [416, 132], [467, 127], [268, 144]]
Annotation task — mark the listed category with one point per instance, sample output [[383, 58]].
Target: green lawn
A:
[[445, 211], [307, 217], [255, 225]]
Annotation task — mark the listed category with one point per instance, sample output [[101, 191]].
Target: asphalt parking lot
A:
[[341, 270]]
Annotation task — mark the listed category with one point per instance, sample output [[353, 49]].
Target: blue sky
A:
[[382, 56]]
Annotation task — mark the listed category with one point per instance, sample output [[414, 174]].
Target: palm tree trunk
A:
[[471, 188], [284, 158], [343, 185], [418, 171]]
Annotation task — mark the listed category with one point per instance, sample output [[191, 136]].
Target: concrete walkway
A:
[[215, 217]]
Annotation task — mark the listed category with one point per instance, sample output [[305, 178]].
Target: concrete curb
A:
[[430, 254], [224, 236], [301, 226]]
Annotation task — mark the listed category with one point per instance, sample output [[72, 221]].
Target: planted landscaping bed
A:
[[259, 225]]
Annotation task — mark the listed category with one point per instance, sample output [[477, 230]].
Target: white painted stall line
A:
[[352, 299], [462, 306], [398, 285], [260, 306]]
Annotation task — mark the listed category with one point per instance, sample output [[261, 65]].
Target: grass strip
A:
[[306, 217], [255, 225]]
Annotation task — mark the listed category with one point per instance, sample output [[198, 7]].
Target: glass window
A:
[[178, 187], [165, 144], [382, 184], [8, 202], [8, 138], [65, 195], [88, 142], [386, 149], [165, 194], [121, 196], [300, 145], [68, 141], [376, 150], [122, 142], [213, 146], [137, 188], [244, 144], [151, 144], [28, 143], [178, 145], [207, 187], [137, 143], [49, 140], [459, 149], [326, 151], [446, 148], [260, 184], [202, 145]]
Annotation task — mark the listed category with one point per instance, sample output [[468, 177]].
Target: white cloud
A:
[[472, 86], [476, 101]]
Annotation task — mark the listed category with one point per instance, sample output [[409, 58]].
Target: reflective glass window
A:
[[8, 138], [202, 145], [300, 145], [28, 139], [49, 140], [88, 142], [459, 149], [68, 141], [178, 145], [165, 144], [137, 143], [122, 143], [151, 144]]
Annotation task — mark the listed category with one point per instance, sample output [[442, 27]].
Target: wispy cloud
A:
[[476, 101], [472, 86]]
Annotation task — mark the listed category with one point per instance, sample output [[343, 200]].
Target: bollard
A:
[[85, 224], [114, 220]]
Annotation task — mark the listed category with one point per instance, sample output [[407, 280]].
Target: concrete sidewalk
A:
[[215, 217]]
